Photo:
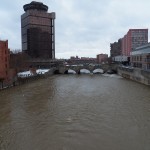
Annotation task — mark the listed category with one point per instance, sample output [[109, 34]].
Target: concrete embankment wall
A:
[[135, 74]]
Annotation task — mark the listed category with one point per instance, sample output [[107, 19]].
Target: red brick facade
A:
[[102, 58], [4, 60], [133, 39]]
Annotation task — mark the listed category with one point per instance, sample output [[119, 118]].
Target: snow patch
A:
[[42, 71], [27, 74]]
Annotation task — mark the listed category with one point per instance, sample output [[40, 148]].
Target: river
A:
[[76, 112]]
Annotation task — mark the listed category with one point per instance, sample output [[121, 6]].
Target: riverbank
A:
[[19, 80], [135, 74]]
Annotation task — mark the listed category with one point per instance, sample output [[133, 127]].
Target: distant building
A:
[[82, 60], [133, 39], [4, 60], [73, 57], [88, 60], [115, 48], [125, 60], [140, 58], [120, 51], [38, 31], [102, 58]]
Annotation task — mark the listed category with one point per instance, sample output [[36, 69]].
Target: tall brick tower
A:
[[38, 31]]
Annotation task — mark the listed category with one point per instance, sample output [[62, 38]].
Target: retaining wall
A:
[[135, 74]]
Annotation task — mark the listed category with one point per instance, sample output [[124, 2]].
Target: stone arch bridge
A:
[[77, 68]]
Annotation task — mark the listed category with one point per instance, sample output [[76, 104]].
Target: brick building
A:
[[38, 31], [133, 39], [102, 58], [4, 60], [120, 51]]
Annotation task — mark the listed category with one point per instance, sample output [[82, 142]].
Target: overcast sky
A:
[[83, 27]]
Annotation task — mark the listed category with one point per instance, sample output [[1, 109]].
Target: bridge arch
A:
[[98, 71], [57, 71], [70, 71], [77, 68], [84, 71]]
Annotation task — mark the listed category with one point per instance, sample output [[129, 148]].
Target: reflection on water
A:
[[98, 71], [78, 112], [84, 71], [70, 71]]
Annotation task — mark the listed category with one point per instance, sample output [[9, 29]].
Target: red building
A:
[[133, 39], [102, 58], [4, 60]]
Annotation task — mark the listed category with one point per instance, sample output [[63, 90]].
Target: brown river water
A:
[[76, 112]]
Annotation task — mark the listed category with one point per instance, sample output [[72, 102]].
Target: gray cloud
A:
[[83, 27]]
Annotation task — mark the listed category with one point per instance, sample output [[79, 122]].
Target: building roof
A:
[[35, 5], [145, 49]]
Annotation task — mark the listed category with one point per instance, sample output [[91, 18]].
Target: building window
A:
[[148, 66], [140, 58]]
